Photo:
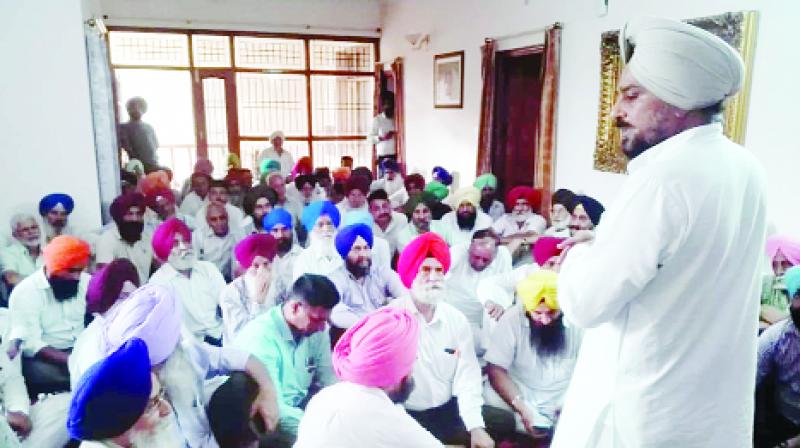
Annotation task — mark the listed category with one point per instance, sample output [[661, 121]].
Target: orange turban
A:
[[65, 252], [153, 182]]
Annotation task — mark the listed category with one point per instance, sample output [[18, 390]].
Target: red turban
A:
[[154, 196], [123, 203], [257, 244], [414, 180], [379, 350], [303, 166], [534, 197], [357, 182], [154, 180], [422, 247], [65, 252], [164, 236], [546, 248]]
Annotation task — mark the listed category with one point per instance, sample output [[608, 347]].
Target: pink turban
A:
[[164, 236], [65, 252], [788, 247], [546, 248], [151, 313], [422, 247], [379, 350], [257, 244]]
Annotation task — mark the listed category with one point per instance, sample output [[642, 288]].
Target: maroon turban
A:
[[257, 244]]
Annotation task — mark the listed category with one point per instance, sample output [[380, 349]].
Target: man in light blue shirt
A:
[[292, 340]]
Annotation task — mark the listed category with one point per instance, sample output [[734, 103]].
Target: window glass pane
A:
[[341, 105], [338, 55], [168, 94], [211, 51], [329, 153], [249, 151], [263, 52], [136, 48], [216, 124], [270, 102]]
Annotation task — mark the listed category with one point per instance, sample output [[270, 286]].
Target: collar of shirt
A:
[[40, 280], [276, 314], [408, 303], [660, 150]]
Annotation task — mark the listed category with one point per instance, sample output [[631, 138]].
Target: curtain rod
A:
[[527, 32]]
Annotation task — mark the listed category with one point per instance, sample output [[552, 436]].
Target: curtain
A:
[[399, 111], [546, 141], [484, 163], [103, 119]]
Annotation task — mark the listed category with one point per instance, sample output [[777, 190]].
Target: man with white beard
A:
[[188, 369], [320, 219], [447, 397], [101, 417], [197, 284], [521, 226], [246, 297], [23, 255], [55, 209]]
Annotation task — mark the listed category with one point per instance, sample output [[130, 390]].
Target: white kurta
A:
[[111, 246], [462, 282], [336, 416], [393, 230], [285, 159], [455, 235], [16, 258], [507, 226], [669, 295], [381, 125], [199, 295]]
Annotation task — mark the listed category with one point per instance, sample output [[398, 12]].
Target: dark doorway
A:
[[518, 95]]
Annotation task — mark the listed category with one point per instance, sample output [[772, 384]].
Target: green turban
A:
[[486, 180], [438, 189]]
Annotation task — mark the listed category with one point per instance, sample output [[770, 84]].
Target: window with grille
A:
[[213, 93]]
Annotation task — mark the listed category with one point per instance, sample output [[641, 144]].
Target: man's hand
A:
[[527, 420], [13, 348], [478, 438], [388, 136], [266, 407], [581, 236], [495, 311], [20, 423]]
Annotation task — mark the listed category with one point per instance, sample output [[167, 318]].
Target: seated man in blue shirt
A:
[[778, 377], [292, 340]]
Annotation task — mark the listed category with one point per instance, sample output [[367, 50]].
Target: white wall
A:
[[344, 17], [449, 137], [46, 139]]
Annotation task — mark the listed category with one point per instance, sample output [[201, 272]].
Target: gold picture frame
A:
[[736, 28]]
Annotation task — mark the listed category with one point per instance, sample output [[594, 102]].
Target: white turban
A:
[[681, 64], [275, 135]]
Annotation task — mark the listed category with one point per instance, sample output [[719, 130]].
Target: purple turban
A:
[[123, 203], [379, 350], [257, 244], [106, 284], [151, 313], [347, 237], [112, 394]]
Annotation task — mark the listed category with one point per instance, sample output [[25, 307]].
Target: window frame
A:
[[198, 73]]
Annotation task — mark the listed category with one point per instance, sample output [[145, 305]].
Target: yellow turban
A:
[[470, 195], [541, 286]]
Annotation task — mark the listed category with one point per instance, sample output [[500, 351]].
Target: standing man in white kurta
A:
[[669, 304]]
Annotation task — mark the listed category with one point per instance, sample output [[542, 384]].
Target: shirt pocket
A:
[[445, 361]]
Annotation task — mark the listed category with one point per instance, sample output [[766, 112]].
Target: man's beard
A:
[[466, 222], [284, 245], [358, 270], [131, 232], [795, 313], [164, 434], [423, 226], [520, 218], [58, 224], [430, 293], [486, 203], [548, 339], [402, 394], [635, 145], [257, 285], [222, 233], [34, 242], [183, 262]]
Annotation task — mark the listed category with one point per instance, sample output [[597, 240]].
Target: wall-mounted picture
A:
[[448, 80]]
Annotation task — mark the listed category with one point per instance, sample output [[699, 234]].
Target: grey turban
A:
[[681, 64]]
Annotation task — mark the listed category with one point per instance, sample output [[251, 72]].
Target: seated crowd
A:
[[290, 312]]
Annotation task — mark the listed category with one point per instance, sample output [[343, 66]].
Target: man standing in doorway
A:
[[671, 318], [138, 138]]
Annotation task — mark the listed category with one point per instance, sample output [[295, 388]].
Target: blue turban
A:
[[792, 280], [358, 217], [592, 206], [443, 175], [112, 394], [51, 200], [348, 235], [316, 209], [277, 216]]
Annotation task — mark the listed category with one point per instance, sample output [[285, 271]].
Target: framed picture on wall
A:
[[448, 80]]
